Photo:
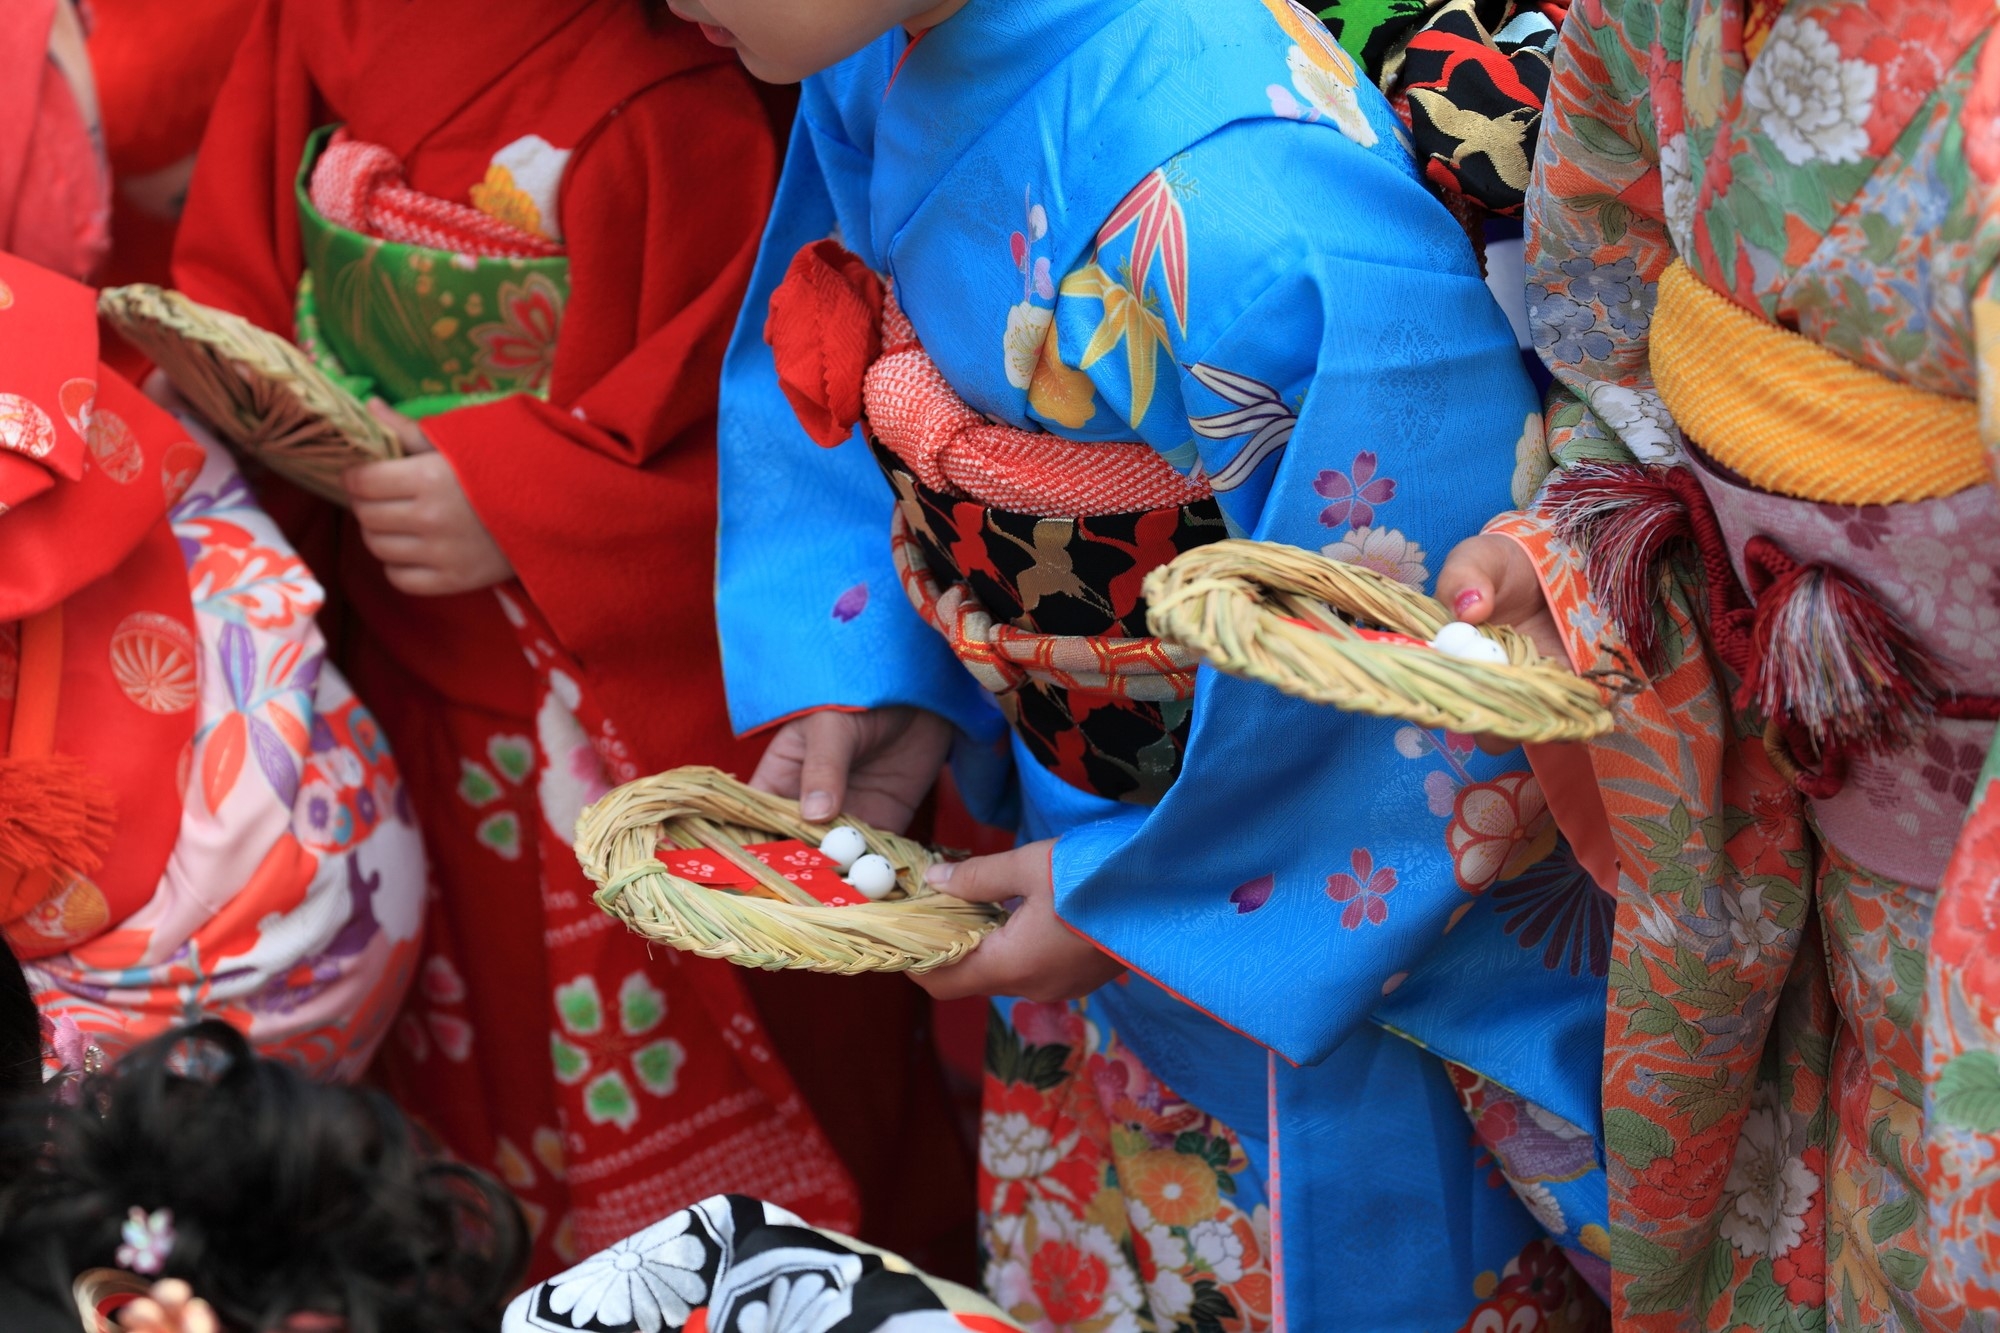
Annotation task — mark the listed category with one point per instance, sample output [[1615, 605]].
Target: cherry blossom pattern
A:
[[1352, 495], [1365, 891]]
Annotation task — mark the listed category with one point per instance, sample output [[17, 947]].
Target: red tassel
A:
[[1829, 657], [1624, 518], [55, 814]]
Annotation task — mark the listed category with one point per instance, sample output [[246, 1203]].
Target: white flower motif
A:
[[652, 1279], [1171, 1296], [575, 774], [1013, 1147], [1640, 419], [1217, 1245], [1750, 930], [1122, 1298], [806, 1303], [1972, 629], [1384, 550], [1810, 103], [1677, 192], [1768, 1191], [1542, 1204], [1027, 326], [1331, 92]]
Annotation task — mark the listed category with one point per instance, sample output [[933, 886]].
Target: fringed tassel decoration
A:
[[1828, 657], [1626, 518], [55, 814]]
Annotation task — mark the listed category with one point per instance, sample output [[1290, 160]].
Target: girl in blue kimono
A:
[[1151, 273]]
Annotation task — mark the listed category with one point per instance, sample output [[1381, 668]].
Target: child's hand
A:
[[172, 1308], [1034, 956], [1491, 580], [875, 765], [416, 520]]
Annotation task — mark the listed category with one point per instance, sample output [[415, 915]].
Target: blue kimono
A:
[[1344, 934]]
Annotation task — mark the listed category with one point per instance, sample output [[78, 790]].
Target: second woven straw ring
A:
[[1341, 634], [774, 924], [263, 395]]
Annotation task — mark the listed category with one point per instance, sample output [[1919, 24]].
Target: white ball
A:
[[843, 845], [872, 877], [1465, 642]]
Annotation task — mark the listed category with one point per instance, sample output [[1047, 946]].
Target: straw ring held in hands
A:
[[262, 394], [1341, 634], [776, 924]]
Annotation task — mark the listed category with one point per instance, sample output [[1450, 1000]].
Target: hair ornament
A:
[[148, 1240]]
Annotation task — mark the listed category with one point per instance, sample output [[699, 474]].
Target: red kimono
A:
[[606, 1086]]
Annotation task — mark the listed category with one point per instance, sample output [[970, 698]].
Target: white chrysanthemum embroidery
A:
[[1013, 1147], [652, 1279], [1768, 1192], [1640, 419], [1384, 550], [1810, 103], [806, 1303], [1027, 326]]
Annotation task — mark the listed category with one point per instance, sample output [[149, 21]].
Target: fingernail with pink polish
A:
[[1468, 599]]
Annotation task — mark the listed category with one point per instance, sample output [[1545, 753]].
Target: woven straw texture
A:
[[262, 394], [1288, 618], [1793, 417], [618, 838]]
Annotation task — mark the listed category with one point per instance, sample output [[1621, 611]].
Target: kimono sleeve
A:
[[811, 611], [1364, 396]]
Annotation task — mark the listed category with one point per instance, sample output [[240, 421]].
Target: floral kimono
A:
[[1185, 237], [256, 859], [731, 1264], [530, 229], [1761, 247]]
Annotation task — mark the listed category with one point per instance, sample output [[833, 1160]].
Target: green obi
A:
[[425, 330]]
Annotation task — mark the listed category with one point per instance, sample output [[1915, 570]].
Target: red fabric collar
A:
[[441, 55]]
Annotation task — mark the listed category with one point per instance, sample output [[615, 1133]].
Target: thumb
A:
[[988, 879], [1489, 579], [830, 742]]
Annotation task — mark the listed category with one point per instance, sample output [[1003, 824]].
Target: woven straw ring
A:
[[617, 844], [1298, 622]]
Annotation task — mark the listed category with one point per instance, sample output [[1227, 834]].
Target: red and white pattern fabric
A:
[[360, 186], [953, 448]]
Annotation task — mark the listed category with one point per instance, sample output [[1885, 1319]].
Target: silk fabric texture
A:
[[1195, 225], [262, 865], [1801, 1032], [600, 492]]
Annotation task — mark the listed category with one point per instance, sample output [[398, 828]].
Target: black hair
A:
[[20, 1030], [287, 1196]]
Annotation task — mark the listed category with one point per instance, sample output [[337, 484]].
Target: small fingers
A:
[[396, 479], [778, 770], [422, 580], [396, 548], [990, 879], [1470, 579], [407, 432], [830, 741]]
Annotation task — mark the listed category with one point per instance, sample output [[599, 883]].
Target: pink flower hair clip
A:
[[148, 1241]]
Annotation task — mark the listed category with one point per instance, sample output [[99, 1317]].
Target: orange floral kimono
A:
[[1760, 263]]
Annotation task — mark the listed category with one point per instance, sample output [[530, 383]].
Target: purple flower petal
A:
[[851, 603], [1252, 894]]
